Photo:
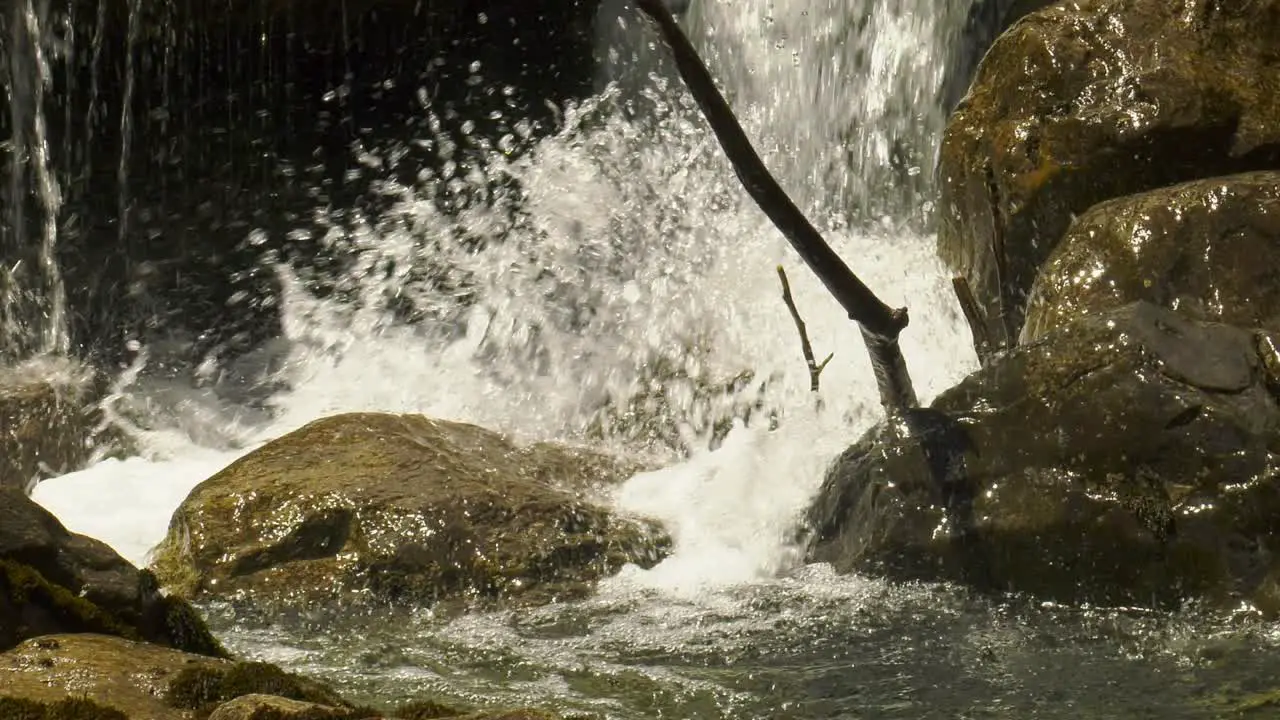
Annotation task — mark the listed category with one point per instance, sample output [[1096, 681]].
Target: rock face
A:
[[1207, 249], [1125, 458], [47, 420], [402, 508], [1086, 101], [52, 580]]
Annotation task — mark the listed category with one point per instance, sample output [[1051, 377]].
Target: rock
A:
[[984, 23], [126, 676], [52, 580], [1086, 101], [1206, 248], [382, 508], [271, 707], [204, 687], [1125, 458], [157, 683], [47, 421]]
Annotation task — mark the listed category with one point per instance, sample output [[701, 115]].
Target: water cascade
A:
[[33, 302], [440, 240]]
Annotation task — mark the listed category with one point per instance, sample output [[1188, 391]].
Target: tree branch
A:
[[815, 368], [880, 324], [973, 316]]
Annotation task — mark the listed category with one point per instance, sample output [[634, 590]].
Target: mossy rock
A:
[[52, 580], [204, 687], [123, 675], [1207, 248], [1122, 459], [12, 708], [1088, 101], [389, 509]]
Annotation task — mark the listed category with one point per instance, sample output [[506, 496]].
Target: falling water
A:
[[126, 122], [41, 307], [849, 93]]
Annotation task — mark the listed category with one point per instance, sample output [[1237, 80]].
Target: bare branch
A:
[[815, 370], [973, 316], [880, 324]]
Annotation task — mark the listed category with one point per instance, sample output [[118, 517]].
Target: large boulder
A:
[[401, 508], [1207, 248], [1125, 458], [48, 418], [1086, 101], [52, 580]]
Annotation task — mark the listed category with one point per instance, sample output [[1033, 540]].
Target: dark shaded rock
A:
[[12, 708], [382, 508], [1087, 101], [48, 418], [1125, 458], [1208, 249], [52, 580]]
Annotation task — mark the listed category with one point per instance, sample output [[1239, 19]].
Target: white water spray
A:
[[617, 259]]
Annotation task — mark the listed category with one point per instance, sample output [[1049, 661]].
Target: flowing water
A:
[[624, 244]]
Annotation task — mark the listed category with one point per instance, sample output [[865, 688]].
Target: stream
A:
[[620, 243]]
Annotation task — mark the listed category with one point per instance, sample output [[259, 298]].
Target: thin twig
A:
[[880, 324], [815, 368], [973, 316]]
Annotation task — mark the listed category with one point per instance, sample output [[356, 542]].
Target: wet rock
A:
[[1206, 248], [47, 422], [1086, 101], [52, 580], [986, 20], [125, 676], [1126, 458], [381, 508], [204, 687], [271, 707]]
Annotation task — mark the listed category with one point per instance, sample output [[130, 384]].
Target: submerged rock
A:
[[1126, 458], [1207, 248], [1086, 101], [381, 508], [52, 580], [47, 421]]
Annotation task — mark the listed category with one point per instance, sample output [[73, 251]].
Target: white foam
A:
[[127, 503]]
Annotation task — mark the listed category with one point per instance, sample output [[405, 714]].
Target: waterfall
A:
[[33, 301]]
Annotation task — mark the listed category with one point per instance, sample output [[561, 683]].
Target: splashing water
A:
[[619, 259]]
